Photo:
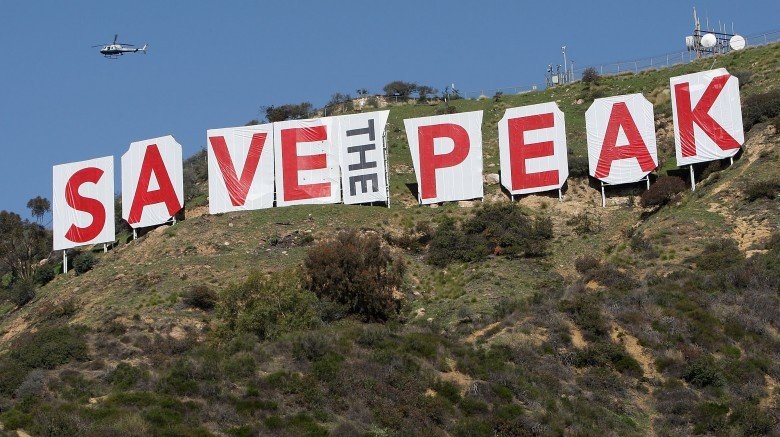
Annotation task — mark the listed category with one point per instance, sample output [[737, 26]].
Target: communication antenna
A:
[[737, 42], [712, 42], [709, 40]]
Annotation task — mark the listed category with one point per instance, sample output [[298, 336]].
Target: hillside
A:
[[634, 320]]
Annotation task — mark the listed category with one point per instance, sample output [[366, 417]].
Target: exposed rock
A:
[[491, 178], [468, 203]]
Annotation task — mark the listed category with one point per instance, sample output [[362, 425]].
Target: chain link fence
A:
[[633, 66]]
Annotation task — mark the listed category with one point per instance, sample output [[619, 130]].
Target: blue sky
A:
[[214, 64]]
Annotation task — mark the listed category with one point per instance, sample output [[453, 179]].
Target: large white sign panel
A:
[[621, 139], [152, 182], [532, 147], [363, 166], [707, 116], [307, 162], [83, 203], [241, 168], [447, 156]]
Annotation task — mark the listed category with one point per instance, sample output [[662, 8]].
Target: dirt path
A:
[[577, 339], [479, 333], [631, 343]]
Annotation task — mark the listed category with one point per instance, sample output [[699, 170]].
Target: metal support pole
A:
[[731, 160], [64, 261], [387, 167], [560, 195], [105, 248], [693, 179], [174, 219], [648, 182], [603, 197], [135, 234]]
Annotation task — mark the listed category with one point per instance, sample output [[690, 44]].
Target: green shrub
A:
[[44, 274], [471, 406], [49, 347], [719, 255], [662, 191], [703, 372], [12, 374], [744, 77], [605, 353], [83, 262], [201, 297], [327, 366], [356, 271], [240, 365], [180, 379], [590, 75], [450, 244], [268, 305], [21, 292], [311, 345], [579, 167], [592, 269], [499, 229], [586, 264], [126, 376], [447, 390], [584, 224], [760, 107], [587, 315], [762, 189], [195, 174]]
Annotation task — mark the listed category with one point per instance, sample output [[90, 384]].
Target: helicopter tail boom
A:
[[143, 49]]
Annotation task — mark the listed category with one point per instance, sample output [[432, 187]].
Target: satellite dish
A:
[[689, 42], [708, 40], [737, 42]]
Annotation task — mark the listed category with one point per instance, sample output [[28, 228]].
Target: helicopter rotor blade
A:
[[116, 35]]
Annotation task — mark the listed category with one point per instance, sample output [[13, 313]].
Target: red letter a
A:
[[153, 163], [636, 148]]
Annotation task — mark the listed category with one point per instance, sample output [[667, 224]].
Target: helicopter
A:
[[115, 49]]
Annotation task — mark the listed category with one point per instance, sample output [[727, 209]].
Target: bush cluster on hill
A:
[[356, 272], [268, 305], [760, 107], [762, 189], [495, 229], [662, 191]]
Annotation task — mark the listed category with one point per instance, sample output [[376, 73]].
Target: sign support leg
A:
[[560, 195], [135, 234], [603, 197], [693, 179], [648, 182], [105, 248], [731, 160], [387, 167], [64, 261]]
